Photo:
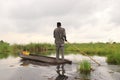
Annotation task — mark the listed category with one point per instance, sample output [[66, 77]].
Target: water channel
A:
[[13, 68]]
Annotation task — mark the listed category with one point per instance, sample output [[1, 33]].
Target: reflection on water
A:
[[4, 55], [12, 68], [84, 76], [61, 72], [27, 62]]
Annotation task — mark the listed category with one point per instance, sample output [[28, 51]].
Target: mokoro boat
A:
[[25, 62], [45, 59]]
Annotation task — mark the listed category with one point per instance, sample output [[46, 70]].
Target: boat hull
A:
[[45, 59]]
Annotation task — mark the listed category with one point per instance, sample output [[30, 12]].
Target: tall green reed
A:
[[84, 67]]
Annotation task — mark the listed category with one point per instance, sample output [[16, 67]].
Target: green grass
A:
[[84, 67], [101, 49], [4, 49], [112, 51], [114, 58]]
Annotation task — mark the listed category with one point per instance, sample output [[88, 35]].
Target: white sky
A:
[[25, 21]]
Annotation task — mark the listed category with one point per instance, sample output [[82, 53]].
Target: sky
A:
[[25, 21]]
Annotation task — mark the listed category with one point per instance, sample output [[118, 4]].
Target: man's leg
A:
[[57, 52], [62, 52]]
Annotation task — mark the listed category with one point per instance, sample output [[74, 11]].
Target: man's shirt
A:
[[59, 34]]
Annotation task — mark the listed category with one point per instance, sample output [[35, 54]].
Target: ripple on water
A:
[[11, 69]]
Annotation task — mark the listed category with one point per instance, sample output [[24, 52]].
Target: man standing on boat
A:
[[60, 37]]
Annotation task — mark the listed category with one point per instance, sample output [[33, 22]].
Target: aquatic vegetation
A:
[[84, 67], [101, 49], [4, 47], [114, 58]]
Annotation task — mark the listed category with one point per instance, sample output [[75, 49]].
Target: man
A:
[[60, 37]]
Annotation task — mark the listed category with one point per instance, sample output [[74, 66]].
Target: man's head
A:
[[58, 24]]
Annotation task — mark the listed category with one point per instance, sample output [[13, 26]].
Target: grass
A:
[[84, 67], [112, 51], [101, 49], [114, 58]]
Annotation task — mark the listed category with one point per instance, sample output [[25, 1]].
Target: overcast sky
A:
[[25, 21]]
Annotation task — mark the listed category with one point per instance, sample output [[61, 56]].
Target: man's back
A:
[[59, 34]]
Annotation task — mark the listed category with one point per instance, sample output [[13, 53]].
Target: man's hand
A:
[[66, 40]]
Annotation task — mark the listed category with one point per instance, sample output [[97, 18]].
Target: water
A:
[[13, 68]]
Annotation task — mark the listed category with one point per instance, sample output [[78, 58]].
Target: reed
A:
[[84, 67], [4, 47], [101, 49], [114, 58]]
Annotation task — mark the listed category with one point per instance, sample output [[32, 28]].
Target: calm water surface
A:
[[13, 68]]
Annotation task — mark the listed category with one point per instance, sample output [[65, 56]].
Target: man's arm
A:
[[65, 38], [64, 34]]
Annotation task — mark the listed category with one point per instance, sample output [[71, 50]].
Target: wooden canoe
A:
[[45, 59]]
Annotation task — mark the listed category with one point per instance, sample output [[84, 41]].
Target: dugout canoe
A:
[[45, 59]]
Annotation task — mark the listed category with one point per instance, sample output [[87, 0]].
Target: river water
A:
[[13, 68]]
